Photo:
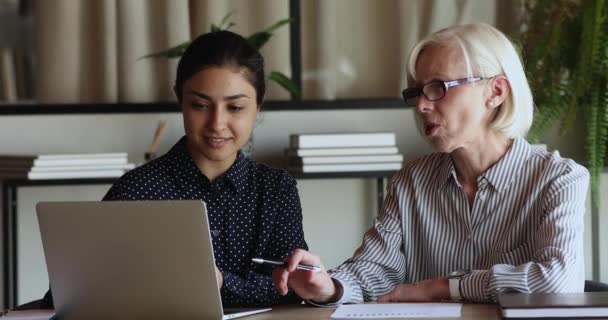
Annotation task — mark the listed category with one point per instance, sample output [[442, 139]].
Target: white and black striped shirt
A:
[[523, 232]]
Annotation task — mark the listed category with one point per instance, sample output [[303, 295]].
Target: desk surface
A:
[[469, 312]]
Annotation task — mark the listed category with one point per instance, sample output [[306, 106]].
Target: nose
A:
[[423, 105], [217, 119]]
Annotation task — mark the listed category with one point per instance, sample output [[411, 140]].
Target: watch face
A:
[[459, 273]]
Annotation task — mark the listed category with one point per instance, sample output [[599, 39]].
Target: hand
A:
[[318, 287], [220, 277], [423, 291]]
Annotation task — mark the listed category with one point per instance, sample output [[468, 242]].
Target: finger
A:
[[279, 276], [294, 259], [382, 299], [385, 298], [276, 278]]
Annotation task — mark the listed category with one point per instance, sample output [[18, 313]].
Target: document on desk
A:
[[397, 310], [29, 315]]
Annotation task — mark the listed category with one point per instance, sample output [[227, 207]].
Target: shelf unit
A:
[[165, 107]]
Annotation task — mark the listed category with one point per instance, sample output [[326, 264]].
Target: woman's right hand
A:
[[315, 286]]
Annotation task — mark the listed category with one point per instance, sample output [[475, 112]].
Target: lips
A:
[[430, 128], [216, 142]]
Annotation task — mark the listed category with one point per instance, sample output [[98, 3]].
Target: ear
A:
[[499, 91]]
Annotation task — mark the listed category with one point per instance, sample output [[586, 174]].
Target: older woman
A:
[[486, 213]]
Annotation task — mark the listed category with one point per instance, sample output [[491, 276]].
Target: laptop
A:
[[131, 260]]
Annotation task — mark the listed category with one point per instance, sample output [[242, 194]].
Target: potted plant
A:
[[565, 46], [257, 40]]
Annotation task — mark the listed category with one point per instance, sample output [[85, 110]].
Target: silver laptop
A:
[[131, 260]]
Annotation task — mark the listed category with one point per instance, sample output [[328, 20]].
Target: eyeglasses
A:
[[434, 90]]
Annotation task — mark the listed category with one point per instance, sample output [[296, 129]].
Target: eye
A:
[[234, 108], [199, 105]]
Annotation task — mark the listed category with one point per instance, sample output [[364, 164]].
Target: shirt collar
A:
[[508, 168], [236, 176], [238, 173], [500, 175], [445, 171]]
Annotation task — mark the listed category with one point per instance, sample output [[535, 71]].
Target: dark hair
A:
[[222, 48]]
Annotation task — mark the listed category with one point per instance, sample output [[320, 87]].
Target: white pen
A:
[[284, 264]]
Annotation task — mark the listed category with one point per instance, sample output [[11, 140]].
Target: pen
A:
[[284, 264]]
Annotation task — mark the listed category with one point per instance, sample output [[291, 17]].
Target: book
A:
[[79, 162], [553, 305], [348, 167], [75, 174], [333, 140], [347, 159], [311, 152], [82, 156], [398, 310], [127, 166]]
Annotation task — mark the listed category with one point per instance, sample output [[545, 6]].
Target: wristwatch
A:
[[454, 281]]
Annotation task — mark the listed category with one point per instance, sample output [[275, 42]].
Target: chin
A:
[[440, 145]]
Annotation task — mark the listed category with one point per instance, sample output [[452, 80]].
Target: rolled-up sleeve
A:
[[378, 265], [556, 264]]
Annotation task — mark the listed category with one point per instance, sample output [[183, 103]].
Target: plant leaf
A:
[[225, 20], [215, 28], [259, 39], [277, 25], [285, 82], [173, 52]]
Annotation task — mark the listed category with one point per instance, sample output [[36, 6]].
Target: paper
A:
[[29, 315], [397, 310]]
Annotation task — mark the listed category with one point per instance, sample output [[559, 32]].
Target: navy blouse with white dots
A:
[[253, 210]]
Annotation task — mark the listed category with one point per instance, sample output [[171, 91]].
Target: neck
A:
[[211, 169], [472, 160]]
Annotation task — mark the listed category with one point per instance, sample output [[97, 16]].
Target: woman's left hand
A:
[[423, 291]]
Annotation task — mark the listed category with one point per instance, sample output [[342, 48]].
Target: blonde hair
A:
[[487, 52]]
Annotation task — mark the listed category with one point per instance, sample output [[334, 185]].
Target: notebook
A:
[[131, 260], [397, 310], [554, 305]]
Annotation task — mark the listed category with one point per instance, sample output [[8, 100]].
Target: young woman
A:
[[254, 210], [487, 213]]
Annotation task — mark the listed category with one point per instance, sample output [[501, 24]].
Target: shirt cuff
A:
[[473, 285], [346, 293]]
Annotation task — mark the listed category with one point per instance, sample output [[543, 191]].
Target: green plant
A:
[[565, 45], [257, 40]]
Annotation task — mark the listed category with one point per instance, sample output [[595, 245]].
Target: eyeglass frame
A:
[[446, 85]]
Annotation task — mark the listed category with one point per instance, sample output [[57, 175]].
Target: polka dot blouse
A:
[[253, 211]]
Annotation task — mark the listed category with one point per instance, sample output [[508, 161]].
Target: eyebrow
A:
[[226, 98]]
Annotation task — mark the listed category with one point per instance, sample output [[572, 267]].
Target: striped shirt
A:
[[523, 232]]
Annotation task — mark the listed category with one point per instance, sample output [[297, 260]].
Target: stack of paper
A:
[[64, 166], [70, 166], [344, 152], [397, 310]]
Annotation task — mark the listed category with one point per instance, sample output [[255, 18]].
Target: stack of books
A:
[[587, 305], [344, 152], [65, 166]]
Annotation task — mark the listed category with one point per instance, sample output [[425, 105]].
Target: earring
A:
[[491, 104]]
